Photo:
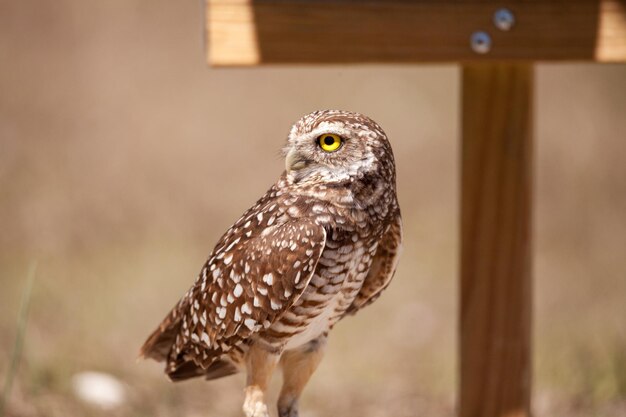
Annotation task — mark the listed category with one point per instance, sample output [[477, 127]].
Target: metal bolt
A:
[[480, 42], [504, 19]]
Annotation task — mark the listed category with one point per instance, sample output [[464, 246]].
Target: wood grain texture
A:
[[252, 32], [495, 322]]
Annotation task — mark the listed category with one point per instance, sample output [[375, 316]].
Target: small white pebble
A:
[[99, 389]]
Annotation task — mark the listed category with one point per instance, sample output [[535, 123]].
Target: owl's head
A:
[[333, 146]]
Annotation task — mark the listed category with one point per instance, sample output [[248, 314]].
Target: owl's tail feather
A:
[[159, 346], [190, 369], [159, 343]]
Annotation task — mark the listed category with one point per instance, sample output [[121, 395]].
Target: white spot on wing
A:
[[238, 290], [249, 323], [245, 308]]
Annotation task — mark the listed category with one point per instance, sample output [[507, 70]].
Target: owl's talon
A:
[[288, 410]]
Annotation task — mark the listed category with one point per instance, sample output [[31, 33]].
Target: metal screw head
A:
[[504, 19], [480, 42]]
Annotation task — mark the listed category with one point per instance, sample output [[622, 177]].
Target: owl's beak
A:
[[295, 161]]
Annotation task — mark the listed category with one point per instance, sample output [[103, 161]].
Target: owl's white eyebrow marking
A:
[[325, 128]]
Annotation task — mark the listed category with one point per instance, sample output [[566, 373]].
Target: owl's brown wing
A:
[[248, 282], [383, 267]]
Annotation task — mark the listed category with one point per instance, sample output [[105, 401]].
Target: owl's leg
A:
[[260, 363], [298, 366]]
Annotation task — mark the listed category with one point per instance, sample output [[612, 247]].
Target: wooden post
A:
[[495, 320]]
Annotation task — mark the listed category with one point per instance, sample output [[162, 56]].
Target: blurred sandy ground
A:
[[123, 158]]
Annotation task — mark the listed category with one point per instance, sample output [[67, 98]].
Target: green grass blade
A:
[[19, 337]]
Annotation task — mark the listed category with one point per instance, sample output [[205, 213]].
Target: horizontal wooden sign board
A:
[[253, 32]]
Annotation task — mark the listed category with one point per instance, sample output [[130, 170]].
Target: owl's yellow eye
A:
[[330, 142]]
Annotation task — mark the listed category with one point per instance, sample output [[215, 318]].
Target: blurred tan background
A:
[[123, 158]]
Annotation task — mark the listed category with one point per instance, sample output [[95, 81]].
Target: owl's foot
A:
[[254, 404]]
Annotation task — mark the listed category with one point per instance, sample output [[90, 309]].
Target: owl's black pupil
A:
[[329, 140]]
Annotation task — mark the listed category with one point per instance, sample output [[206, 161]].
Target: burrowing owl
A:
[[322, 243]]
